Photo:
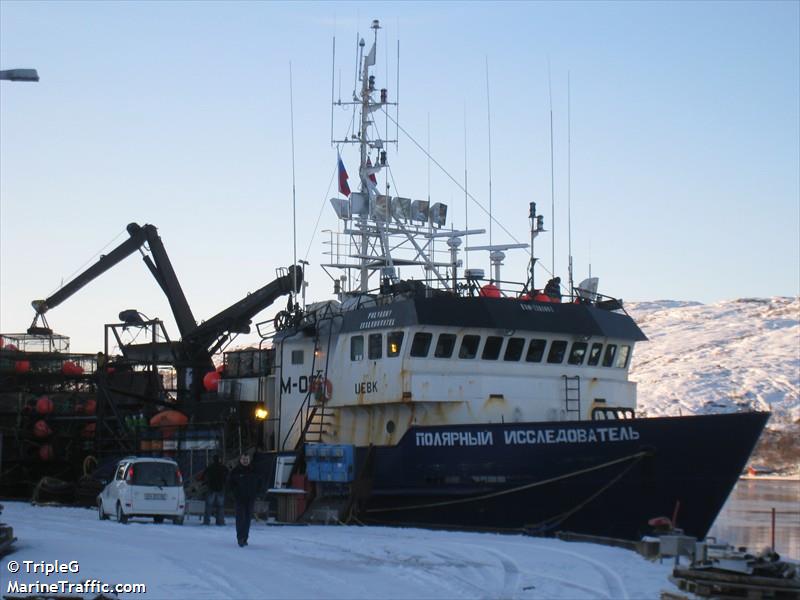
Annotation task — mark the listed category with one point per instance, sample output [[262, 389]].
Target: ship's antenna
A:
[[466, 194], [397, 94], [429, 156], [489, 120], [430, 225], [333, 81], [552, 177], [294, 193], [569, 188]]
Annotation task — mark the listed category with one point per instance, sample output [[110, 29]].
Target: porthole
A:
[[389, 426]]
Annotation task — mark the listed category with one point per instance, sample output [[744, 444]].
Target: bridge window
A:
[[577, 354], [491, 350], [594, 354], [445, 345], [421, 344], [608, 357], [374, 350], [623, 356], [469, 346], [297, 357], [514, 349], [394, 341], [357, 347], [557, 350], [535, 351]]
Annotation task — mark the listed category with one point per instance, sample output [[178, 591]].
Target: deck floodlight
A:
[[261, 411], [419, 210], [380, 208], [438, 214], [342, 208], [359, 204], [401, 209], [20, 75]]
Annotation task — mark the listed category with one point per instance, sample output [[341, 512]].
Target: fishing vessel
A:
[[456, 398]]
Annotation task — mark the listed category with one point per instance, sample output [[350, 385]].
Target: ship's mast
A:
[[387, 231], [367, 186]]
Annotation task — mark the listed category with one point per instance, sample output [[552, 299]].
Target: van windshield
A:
[[155, 473]]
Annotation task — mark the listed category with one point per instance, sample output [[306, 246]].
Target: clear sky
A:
[[685, 148]]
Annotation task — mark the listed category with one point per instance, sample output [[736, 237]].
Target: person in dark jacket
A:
[[553, 289], [216, 477], [245, 484]]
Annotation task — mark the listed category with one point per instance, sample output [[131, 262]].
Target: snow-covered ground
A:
[[719, 357], [321, 562]]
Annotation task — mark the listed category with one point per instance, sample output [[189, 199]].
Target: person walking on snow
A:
[[245, 484], [216, 476]]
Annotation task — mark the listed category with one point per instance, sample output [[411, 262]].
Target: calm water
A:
[[745, 518]]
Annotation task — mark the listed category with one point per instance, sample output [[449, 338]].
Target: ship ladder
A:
[[320, 417], [572, 397]]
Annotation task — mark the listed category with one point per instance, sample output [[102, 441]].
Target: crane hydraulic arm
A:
[[210, 335], [159, 265]]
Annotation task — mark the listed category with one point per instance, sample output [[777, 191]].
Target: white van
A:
[[144, 487]]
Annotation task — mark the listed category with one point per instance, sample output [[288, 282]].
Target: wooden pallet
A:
[[708, 583]]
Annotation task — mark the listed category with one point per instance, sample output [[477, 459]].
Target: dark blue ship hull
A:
[[596, 477]]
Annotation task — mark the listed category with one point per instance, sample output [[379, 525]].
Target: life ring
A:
[[322, 388]]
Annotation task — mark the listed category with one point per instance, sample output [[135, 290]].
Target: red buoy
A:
[[11, 347], [526, 297], [211, 381], [41, 429], [90, 407], [542, 298], [46, 452], [22, 366], [44, 406], [490, 290], [71, 368]]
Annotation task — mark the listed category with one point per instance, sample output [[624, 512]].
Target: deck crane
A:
[[157, 262], [198, 342]]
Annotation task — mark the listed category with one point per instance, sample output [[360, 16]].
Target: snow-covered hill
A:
[[721, 357]]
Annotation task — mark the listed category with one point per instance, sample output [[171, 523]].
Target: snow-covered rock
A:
[[722, 357]]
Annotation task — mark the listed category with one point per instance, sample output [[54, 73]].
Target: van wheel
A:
[[158, 519], [178, 520], [121, 516], [100, 512]]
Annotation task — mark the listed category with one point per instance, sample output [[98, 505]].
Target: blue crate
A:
[[330, 462]]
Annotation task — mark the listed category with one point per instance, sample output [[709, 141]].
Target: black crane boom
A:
[[160, 266], [212, 334]]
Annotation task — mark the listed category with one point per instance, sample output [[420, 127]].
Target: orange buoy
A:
[[490, 290], [22, 366], [44, 406], [542, 298], [168, 421], [46, 452], [211, 381], [88, 430], [90, 407], [41, 429], [526, 297]]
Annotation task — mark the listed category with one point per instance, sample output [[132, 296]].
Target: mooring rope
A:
[[527, 486]]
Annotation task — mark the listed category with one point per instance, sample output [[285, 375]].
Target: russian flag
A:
[[372, 177], [344, 187]]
